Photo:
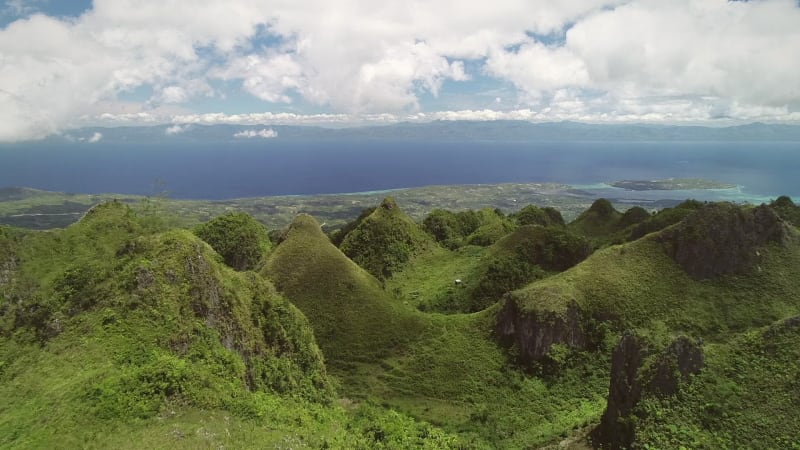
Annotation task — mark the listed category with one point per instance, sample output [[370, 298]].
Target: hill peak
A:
[[305, 223], [723, 238], [385, 240], [389, 204], [602, 208]]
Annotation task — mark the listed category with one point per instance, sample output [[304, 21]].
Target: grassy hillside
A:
[[121, 331], [528, 253], [746, 396], [385, 241], [353, 318], [240, 239], [444, 369], [638, 285], [113, 331]]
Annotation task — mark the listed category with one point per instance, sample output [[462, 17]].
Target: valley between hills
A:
[[581, 324]]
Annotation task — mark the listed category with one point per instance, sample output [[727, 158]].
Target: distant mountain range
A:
[[438, 130]]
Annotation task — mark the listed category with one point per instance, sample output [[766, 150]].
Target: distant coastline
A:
[[672, 184]]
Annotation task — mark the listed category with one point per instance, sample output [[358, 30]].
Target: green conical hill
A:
[[353, 318], [534, 215], [599, 222], [108, 323], [454, 230], [386, 240]]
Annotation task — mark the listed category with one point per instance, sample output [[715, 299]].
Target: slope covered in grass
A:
[[444, 369], [456, 229], [745, 397], [352, 316], [385, 241], [640, 284], [116, 334], [528, 253]]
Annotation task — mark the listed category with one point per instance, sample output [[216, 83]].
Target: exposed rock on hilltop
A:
[[723, 238], [637, 371]]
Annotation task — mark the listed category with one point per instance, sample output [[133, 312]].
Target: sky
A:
[[67, 64]]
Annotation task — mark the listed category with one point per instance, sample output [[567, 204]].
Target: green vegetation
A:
[[454, 230], [533, 215], [238, 238], [786, 208], [745, 397], [124, 330], [353, 318], [338, 236], [444, 369], [385, 241], [662, 219], [599, 223]]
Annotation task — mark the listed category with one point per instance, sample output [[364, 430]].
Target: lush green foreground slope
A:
[[122, 332]]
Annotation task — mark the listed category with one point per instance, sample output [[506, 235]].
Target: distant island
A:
[[671, 184]]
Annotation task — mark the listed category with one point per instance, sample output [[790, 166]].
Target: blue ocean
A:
[[280, 167]]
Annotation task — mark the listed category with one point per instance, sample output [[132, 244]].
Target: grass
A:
[[353, 318], [122, 331], [446, 369], [745, 397], [386, 241], [638, 285], [429, 283]]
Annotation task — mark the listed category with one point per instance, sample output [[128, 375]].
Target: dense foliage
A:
[[240, 239], [456, 229], [385, 241], [533, 215]]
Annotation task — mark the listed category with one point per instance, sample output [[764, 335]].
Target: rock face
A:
[[534, 332], [637, 371], [723, 238]]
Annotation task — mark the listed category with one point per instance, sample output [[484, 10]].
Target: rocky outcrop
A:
[[681, 359], [534, 332], [722, 238], [637, 371]]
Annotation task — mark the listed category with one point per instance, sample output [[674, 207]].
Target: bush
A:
[[533, 215], [240, 239]]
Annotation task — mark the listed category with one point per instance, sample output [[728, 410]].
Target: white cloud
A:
[[93, 139], [175, 129], [639, 59], [266, 133]]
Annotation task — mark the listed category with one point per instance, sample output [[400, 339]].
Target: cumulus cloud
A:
[[93, 139], [175, 129], [266, 133], [638, 59]]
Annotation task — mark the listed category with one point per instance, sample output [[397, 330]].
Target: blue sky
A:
[[68, 64]]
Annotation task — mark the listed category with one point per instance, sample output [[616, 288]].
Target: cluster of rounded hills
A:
[[472, 329]]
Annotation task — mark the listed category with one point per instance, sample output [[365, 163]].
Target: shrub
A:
[[241, 240]]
